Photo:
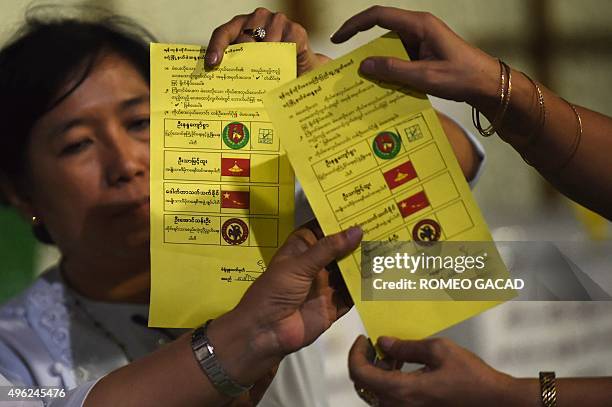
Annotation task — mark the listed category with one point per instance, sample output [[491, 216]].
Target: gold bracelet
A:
[[476, 114], [508, 94], [548, 389], [532, 138], [505, 94], [542, 116], [577, 139]]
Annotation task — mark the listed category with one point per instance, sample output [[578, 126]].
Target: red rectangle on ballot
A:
[[400, 175], [235, 199], [235, 167], [413, 204]]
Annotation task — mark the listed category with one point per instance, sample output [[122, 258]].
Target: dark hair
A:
[[46, 54], [55, 47]]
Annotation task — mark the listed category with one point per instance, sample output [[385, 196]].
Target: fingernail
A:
[[385, 342], [212, 58], [354, 233], [331, 37], [367, 66]]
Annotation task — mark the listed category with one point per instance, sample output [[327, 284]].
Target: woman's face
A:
[[88, 177]]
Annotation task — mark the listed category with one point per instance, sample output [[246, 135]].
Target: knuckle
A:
[[376, 8], [328, 243], [293, 29], [304, 235], [261, 11], [429, 75], [332, 244], [302, 244], [218, 31], [279, 17], [236, 19], [439, 346], [298, 30], [388, 65], [426, 14], [429, 18]]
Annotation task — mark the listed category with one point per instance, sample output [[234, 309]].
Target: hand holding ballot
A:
[[293, 302], [286, 309], [276, 28], [451, 376], [567, 144], [442, 64]]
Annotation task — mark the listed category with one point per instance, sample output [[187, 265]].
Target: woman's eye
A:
[[139, 125], [76, 147]]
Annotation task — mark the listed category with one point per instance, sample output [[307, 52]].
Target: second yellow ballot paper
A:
[[221, 187], [377, 156]]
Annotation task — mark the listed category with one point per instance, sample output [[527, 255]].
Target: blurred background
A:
[[565, 44]]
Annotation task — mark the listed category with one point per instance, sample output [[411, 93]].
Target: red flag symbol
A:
[[235, 199], [413, 204], [400, 175], [235, 167]]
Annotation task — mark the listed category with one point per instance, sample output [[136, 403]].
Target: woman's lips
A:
[[134, 208]]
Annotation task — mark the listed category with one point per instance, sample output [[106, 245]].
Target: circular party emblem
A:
[[235, 231], [386, 145], [427, 230], [235, 135]]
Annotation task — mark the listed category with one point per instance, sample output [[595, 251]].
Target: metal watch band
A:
[[548, 389], [204, 353]]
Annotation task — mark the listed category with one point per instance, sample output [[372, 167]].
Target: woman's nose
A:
[[126, 159]]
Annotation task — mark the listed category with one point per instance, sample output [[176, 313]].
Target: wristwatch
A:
[[204, 353]]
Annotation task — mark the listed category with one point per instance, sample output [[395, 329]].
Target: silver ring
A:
[[257, 33]]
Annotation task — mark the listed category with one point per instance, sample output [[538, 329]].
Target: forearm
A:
[[584, 392], [172, 376], [587, 176]]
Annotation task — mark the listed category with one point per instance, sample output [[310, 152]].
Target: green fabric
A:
[[17, 251]]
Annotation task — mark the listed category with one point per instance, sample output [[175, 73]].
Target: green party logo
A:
[[386, 145], [235, 135]]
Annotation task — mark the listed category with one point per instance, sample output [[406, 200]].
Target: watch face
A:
[[210, 348], [205, 354]]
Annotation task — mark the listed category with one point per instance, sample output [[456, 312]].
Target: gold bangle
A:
[[542, 114], [508, 94], [505, 94], [476, 114], [577, 139], [548, 389], [532, 138]]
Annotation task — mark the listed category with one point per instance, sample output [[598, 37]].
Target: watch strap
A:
[[204, 353]]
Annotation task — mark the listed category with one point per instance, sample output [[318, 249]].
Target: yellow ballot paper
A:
[[375, 155], [222, 188]]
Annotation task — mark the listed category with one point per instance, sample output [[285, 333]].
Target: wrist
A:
[[486, 86], [522, 392], [243, 349]]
